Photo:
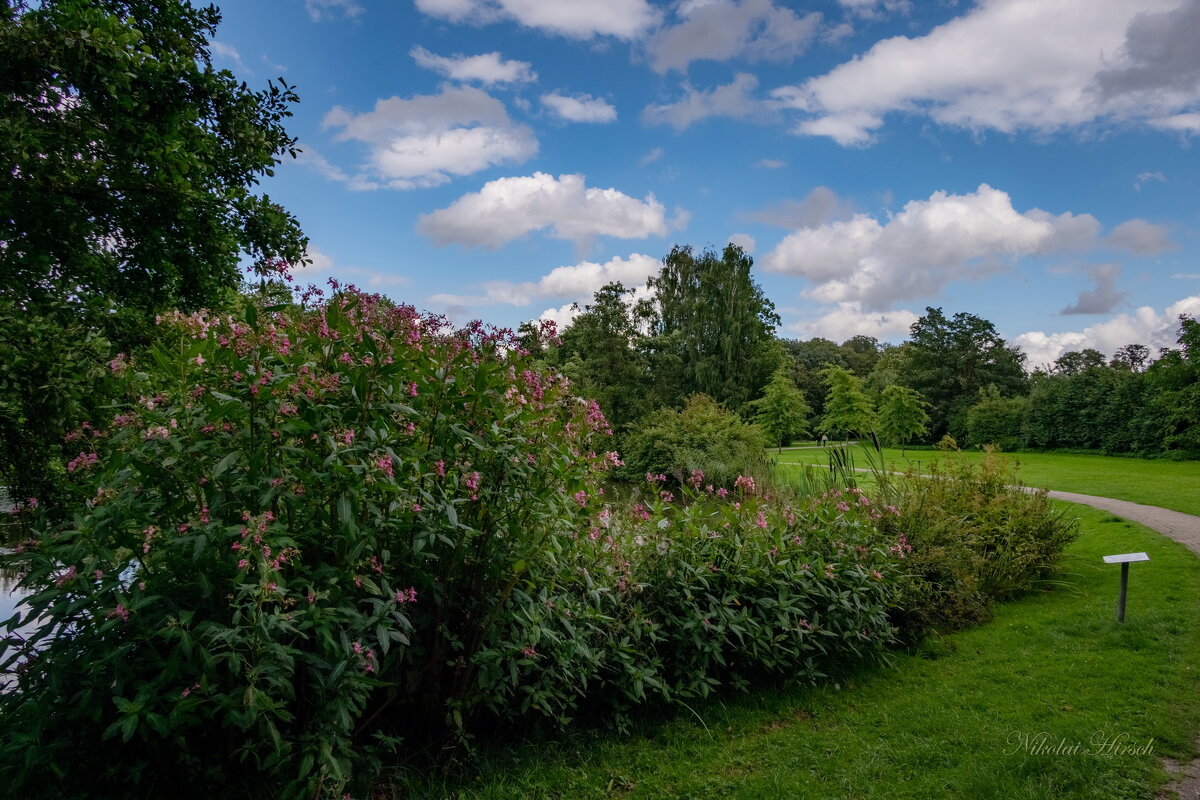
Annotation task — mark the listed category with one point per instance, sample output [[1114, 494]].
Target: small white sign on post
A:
[[1124, 559]]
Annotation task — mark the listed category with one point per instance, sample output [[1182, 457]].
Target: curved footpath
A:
[[1183, 528]]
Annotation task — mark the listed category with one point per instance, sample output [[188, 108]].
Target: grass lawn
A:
[[1169, 484], [1018, 708]]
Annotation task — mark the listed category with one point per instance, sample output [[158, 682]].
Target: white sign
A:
[[1125, 558]]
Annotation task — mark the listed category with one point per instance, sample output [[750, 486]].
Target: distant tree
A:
[[782, 411], [709, 312], [807, 358], [1076, 361], [604, 352], [1175, 381], [950, 360], [889, 367], [129, 166], [847, 409], [997, 420], [860, 353], [1133, 357], [902, 416]]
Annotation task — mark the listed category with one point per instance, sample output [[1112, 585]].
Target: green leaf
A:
[[225, 463]]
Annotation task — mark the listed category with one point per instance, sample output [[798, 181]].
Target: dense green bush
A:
[[290, 541], [703, 436], [997, 421], [974, 539]]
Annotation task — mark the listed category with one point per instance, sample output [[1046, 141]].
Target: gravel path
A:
[[1183, 528]]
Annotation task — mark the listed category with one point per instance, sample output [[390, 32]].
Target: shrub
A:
[[976, 539], [692, 590], [997, 421], [286, 549], [703, 436]]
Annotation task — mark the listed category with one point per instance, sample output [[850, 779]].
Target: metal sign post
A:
[[1124, 559]]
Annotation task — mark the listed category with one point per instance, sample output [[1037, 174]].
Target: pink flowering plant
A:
[[285, 550], [673, 597]]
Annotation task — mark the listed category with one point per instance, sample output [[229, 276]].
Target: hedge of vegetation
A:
[[312, 539]]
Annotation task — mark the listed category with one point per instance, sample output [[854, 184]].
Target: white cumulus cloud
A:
[[733, 99], [924, 247], [848, 319], [1010, 65], [319, 10], [1145, 326], [508, 208], [754, 30], [579, 108], [576, 19], [579, 282], [1141, 237], [424, 140], [485, 68]]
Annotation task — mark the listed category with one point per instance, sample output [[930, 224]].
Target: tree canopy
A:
[[710, 313], [130, 165], [130, 161], [782, 411], [902, 416], [950, 360], [847, 409]]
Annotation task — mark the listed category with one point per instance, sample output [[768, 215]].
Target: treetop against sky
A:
[[1030, 161]]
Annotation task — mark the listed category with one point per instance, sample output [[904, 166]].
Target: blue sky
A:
[[1030, 161]]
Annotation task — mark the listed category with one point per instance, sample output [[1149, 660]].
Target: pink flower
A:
[[199, 360], [528, 652], [66, 576], [440, 468], [82, 461], [761, 520], [385, 465], [417, 508], [843, 507], [744, 483], [120, 611], [412, 390], [581, 498]]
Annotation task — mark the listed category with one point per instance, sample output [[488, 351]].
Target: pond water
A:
[[10, 602]]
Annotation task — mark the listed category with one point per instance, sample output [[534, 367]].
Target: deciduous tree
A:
[[847, 409], [950, 360], [902, 416], [782, 411], [129, 168], [712, 314]]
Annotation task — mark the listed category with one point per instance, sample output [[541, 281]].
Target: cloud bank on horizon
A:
[[1030, 161]]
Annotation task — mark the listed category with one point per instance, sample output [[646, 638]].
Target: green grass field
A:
[[1170, 484], [1021, 707]]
